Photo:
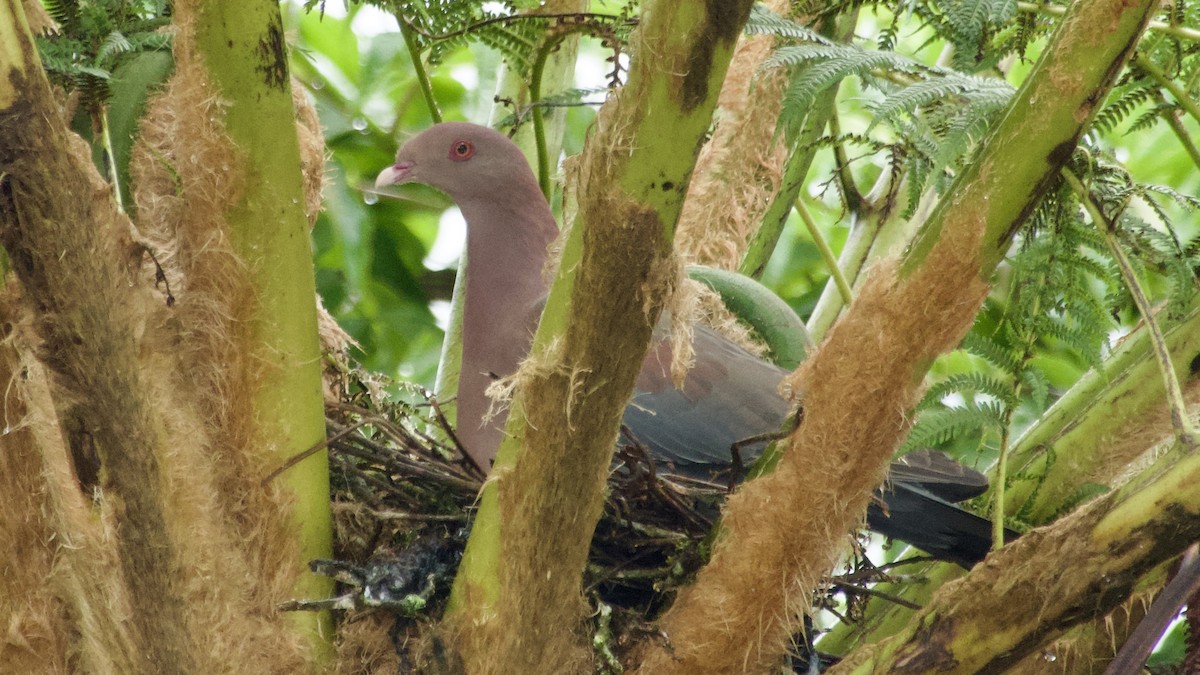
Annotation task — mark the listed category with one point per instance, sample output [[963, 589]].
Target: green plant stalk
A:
[[831, 261], [547, 48], [864, 232], [243, 49], [114, 175], [795, 170], [1181, 96], [1185, 139], [1179, 416], [841, 160], [486, 529], [999, 478], [414, 53], [445, 383], [1119, 538]]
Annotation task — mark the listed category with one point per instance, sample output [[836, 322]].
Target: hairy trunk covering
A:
[[176, 562]]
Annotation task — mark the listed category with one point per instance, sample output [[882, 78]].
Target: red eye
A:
[[461, 150]]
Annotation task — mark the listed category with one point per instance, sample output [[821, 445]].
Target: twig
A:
[[317, 447], [578, 17], [826, 253], [1181, 96], [392, 514], [407, 30], [863, 590]]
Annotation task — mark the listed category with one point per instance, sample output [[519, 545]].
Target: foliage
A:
[[94, 38], [1063, 297]]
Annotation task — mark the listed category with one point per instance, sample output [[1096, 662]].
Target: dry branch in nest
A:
[[404, 496]]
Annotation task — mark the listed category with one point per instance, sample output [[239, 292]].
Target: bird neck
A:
[[507, 248]]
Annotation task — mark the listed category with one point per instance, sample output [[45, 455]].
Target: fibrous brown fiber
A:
[[61, 590], [76, 261], [231, 529], [740, 167], [784, 531], [92, 355]]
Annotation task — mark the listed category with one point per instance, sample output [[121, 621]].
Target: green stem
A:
[[826, 252], [758, 251], [1179, 418], [998, 482], [1170, 85], [1185, 139], [535, 97], [113, 172], [414, 52], [795, 170], [850, 191], [865, 233]]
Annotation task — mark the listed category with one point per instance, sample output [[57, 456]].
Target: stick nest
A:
[[401, 488], [404, 496]]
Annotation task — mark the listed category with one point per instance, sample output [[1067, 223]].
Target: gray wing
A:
[[939, 475], [731, 395], [728, 395]]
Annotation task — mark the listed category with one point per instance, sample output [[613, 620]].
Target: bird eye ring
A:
[[461, 151]]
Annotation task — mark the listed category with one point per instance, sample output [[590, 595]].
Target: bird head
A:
[[466, 161]]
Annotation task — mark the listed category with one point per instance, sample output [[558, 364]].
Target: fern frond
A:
[[763, 21], [991, 351], [1118, 109], [942, 425], [114, 43], [1037, 385], [1188, 202], [967, 384], [971, 22], [987, 92], [64, 12]]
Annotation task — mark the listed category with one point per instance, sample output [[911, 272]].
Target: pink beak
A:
[[400, 172]]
